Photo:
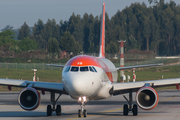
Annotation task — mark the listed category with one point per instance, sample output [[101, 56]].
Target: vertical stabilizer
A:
[[102, 35]]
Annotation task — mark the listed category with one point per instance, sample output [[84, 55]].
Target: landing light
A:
[[82, 99], [79, 99]]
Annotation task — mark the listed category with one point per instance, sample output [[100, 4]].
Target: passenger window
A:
[[74, 69], [90, 68], [82, 69], [94, 69], [67, 69]]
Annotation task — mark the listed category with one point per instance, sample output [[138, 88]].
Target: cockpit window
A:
[[74, 69], [67, 69], [90, 68], [83, 69], [94, 69]]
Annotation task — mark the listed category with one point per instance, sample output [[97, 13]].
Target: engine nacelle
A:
[[29, 98], [147, 98]]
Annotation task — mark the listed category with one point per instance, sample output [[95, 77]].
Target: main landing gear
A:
[[126, 109], [82, 111], [53, 102]]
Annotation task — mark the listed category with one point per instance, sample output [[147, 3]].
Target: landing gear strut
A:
[[53, 102], [82, 111], [126, 109]]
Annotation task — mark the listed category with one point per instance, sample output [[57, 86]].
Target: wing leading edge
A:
[[47, 86], [121, 88]]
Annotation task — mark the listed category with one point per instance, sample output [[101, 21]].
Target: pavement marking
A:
[[121, 108], [99, 113], [112, 110], [168, 99], [41, 106]]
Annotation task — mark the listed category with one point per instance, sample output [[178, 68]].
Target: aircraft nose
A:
[[80, 86]]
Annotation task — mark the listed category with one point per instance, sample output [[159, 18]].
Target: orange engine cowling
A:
[[147, 98], [29, 98]]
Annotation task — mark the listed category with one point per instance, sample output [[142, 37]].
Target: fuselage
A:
[[89, 76]]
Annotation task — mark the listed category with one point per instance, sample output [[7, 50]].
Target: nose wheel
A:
[[82, 111]]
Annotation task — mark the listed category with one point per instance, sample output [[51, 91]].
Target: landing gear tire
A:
[[49, 110], [79, 113], [58, 110], [85, 113], [135, 110], [125, 109]]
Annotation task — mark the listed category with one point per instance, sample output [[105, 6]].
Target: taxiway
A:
[[112, 108]]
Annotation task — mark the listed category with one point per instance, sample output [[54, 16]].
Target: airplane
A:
[[87, 78]]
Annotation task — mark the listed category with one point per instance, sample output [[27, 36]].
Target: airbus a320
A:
[[87, 78]]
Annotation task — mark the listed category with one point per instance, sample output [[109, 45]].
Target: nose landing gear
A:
[[82, 111]]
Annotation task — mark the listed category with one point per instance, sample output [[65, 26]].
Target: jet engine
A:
[[29, 98], [147, 98]]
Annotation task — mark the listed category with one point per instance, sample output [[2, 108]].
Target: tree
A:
[[67, 42], [27, 44], [7, 39], [51, 29], [112, 48], [152, 1], [91, 47], [76, 29], [53, 45], [144, 28], [131, 43], [37, 34], [24, 31], [147, 31], [38, 27], [8, 27]]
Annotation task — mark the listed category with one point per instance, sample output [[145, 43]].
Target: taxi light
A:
[[84, 98], [79, 99]]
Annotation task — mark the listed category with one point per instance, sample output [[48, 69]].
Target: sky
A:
[[16, 12]]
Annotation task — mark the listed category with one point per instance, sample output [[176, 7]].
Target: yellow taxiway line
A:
[[118, 109]]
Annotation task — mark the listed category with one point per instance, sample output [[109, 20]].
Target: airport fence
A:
[[150, 61], [39, 66]]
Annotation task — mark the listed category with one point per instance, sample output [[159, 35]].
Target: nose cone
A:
[[81, 85]]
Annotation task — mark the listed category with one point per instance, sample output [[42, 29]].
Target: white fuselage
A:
[[93, 85]]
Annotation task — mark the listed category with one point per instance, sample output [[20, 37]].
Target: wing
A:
[[139, 66], [47, 86], [55, 65], [121, 88]]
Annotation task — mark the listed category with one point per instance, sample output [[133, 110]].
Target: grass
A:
[[142, 74], [44, 76], [154, 73]]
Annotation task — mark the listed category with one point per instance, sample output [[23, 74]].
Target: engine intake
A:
[[147, 98], [29, 98]]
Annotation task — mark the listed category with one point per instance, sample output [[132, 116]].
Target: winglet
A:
[[102, 35]]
